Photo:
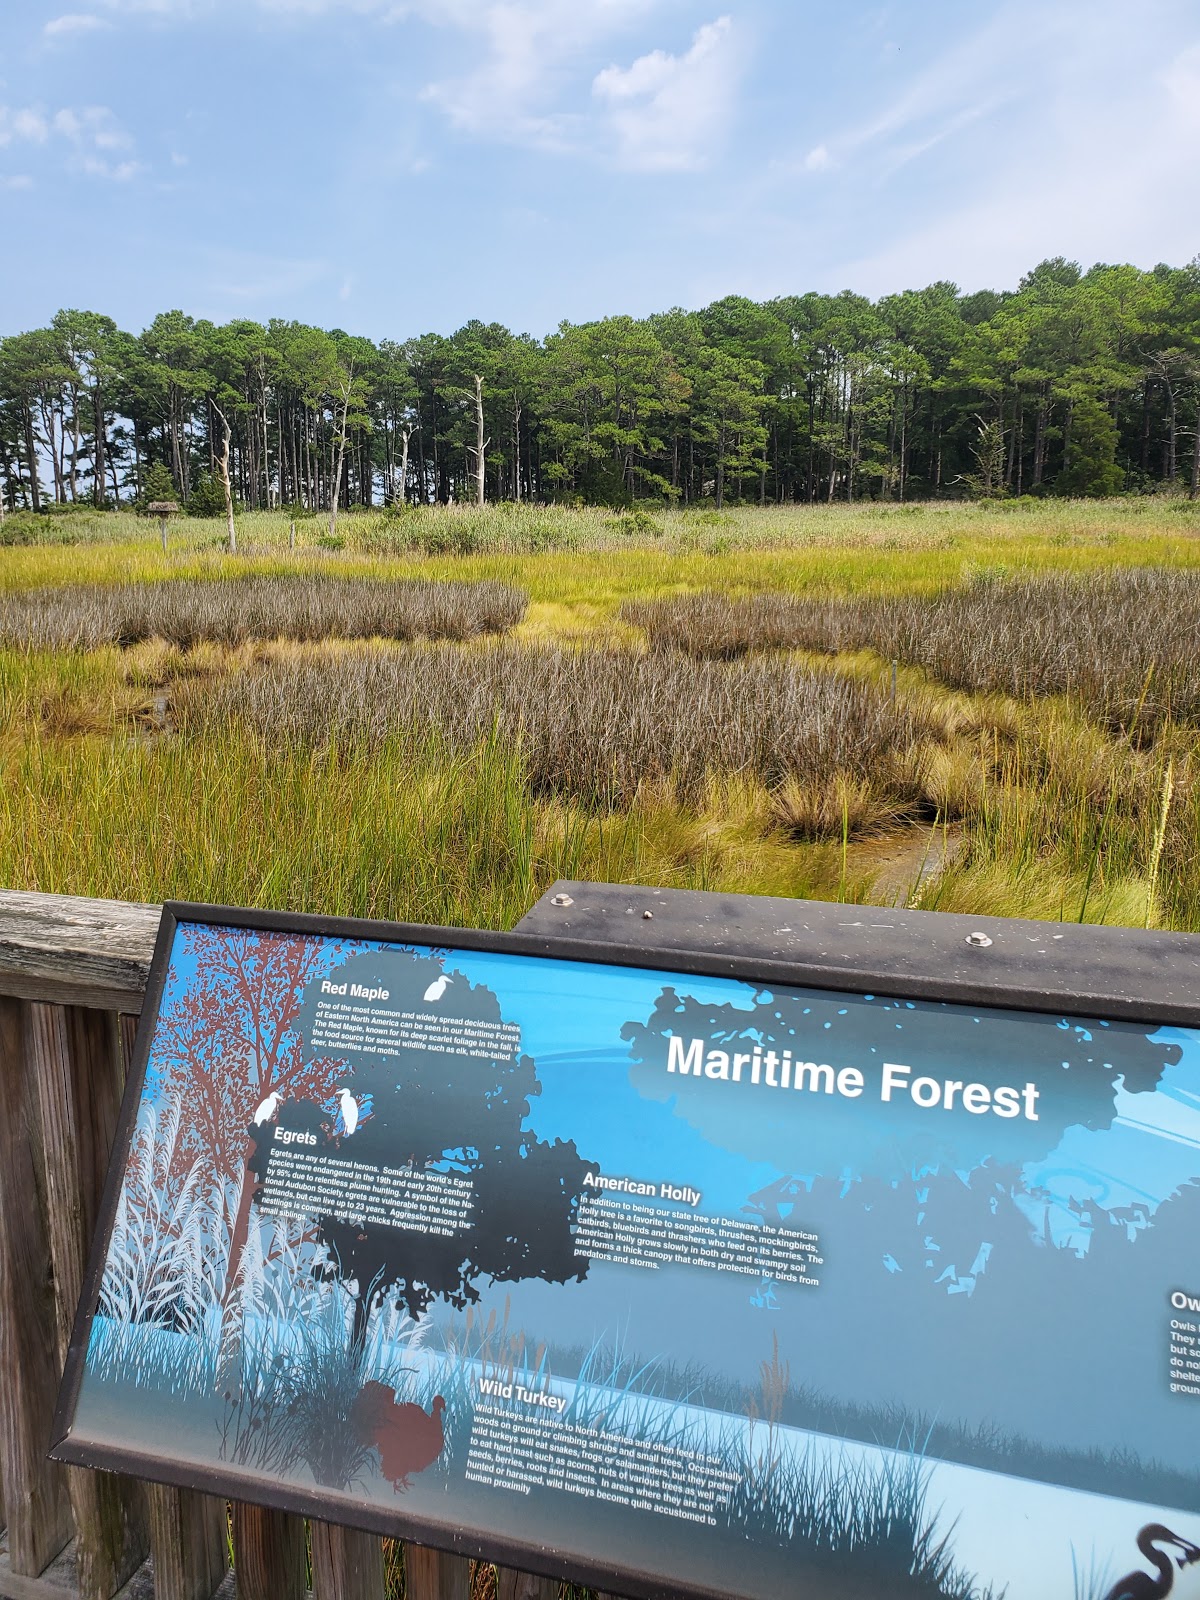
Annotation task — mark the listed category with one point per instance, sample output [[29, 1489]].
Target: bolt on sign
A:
[[672, 1278]]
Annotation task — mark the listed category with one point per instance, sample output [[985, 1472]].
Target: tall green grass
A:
[[398, 831], [504, 527], [1058, 819], [595, 565]]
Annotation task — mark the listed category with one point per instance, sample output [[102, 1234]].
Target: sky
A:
[[398, 166]]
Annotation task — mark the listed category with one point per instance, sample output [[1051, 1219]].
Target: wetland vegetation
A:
[[305, 607], [1122, 645], [701, 704]]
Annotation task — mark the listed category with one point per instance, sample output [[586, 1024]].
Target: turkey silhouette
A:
[[408, 1438]]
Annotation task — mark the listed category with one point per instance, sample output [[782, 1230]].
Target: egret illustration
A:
[[268, 1108], [437, 988], [1182, 1554], [348, 1106]]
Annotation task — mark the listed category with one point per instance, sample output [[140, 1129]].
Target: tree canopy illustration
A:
[[227, 1037], [447, 1110], [1076, 1064]]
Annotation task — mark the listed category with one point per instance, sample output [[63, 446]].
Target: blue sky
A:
[[394, 166]]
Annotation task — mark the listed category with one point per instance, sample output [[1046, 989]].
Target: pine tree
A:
[[157, 484]]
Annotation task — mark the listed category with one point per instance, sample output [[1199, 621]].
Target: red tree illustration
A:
[[228, 1040]]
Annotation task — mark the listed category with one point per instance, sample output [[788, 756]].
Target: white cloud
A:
[[74, 22], [972, 78], [16, 180], [117, 171], [667, 111], [527, 66], [238, 279], [23, 123], [91, 137], [174, 10], [529, 49], [1103, 172], [389, 10], [186, 10], [93, 126]]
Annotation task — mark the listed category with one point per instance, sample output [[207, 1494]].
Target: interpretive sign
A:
[[667, 1280]]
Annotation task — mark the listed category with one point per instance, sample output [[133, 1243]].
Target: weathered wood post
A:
[[79, 1070], [434, 1575], [73, 974], [514, 1585], [346, 1564], [35, 1491], [163, 509], [272, 1554]]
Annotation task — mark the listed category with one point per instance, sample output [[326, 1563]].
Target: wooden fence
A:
[[72, 976]]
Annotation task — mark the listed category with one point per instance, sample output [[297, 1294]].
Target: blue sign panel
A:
[[704, 1285]]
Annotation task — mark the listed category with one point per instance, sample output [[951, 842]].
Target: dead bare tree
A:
[[344, 393], [405, 436], [222, 461], [481, 443]]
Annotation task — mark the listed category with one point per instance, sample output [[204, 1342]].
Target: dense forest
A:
[[1075, 383]]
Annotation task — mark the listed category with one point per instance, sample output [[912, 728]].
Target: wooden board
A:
[[74, 951]]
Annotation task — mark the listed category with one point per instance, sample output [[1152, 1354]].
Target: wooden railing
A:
[[72, 976]]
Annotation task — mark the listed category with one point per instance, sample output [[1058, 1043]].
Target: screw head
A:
[[979, 940], [561, 900]]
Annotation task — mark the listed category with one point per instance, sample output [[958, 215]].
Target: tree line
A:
[[1075, 383]]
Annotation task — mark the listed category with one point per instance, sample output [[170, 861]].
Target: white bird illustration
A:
[[267, 1110], [437, 988], [349, 1106]]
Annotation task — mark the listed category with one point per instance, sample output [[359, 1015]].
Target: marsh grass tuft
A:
[[305, 607], [1122, 644], [100, 795], [598, 726]]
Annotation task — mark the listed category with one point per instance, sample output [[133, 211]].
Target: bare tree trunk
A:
[[517, 451], [1144, 456], [1068, 429], [35, 488], [480, 446], [268, 499], [56, 455], [1194, 489], [937, 454], [181, 477], [1014, 432], [223, 466], [98, 463], [75, 447], [1039, 441], [336, 494], [405, 435]]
